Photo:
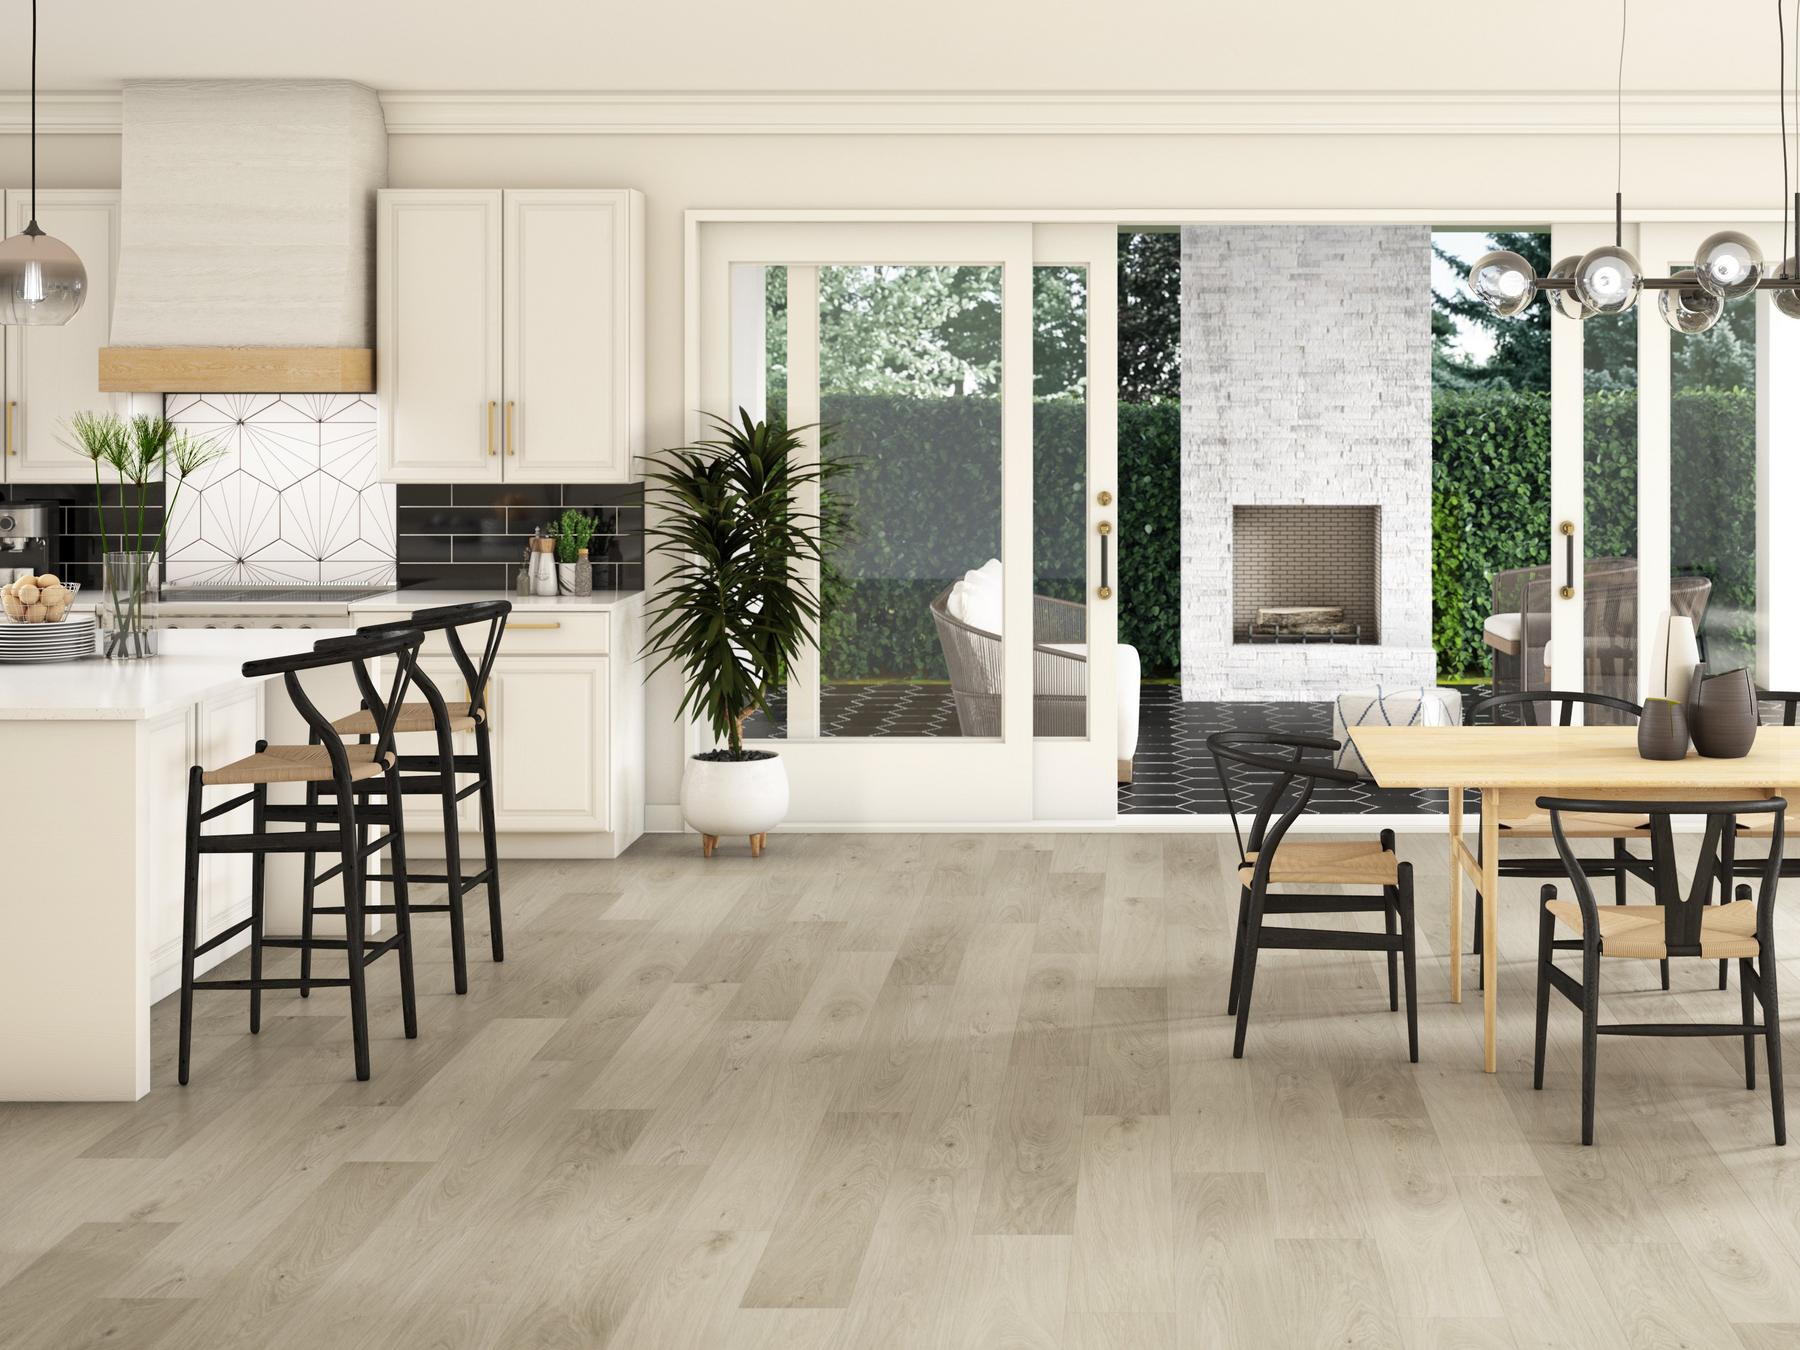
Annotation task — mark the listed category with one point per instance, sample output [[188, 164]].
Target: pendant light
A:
[[41, 279], [1609, 279]]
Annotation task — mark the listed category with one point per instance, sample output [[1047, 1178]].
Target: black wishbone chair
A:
[[1735, 866], [1675, 926], [1619, 827], [435, 774], [340, 829], [1269, 858]]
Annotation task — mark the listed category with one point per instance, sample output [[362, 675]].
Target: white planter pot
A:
[[722, 797], [565, 578]]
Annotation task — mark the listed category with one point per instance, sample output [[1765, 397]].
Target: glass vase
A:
[[128, 594]]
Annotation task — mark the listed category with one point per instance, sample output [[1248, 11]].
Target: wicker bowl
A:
[[32, 601]]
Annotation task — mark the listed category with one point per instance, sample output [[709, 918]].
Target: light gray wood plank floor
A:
[[911, 1091]]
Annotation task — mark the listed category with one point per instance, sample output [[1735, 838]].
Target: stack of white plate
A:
[[69, 640]]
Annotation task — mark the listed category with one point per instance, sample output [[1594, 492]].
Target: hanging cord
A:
[[1781, 80], [1619, 136], [32, 228], [1784, 144]]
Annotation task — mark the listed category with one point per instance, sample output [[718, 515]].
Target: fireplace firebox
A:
[[1305, 574]]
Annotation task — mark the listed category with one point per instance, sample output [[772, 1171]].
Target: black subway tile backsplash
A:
[[472, 535], [81, 544]]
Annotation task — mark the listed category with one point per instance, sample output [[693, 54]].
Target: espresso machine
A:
[[28, 541]]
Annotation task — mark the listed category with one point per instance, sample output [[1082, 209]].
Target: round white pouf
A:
[[1407, 706]]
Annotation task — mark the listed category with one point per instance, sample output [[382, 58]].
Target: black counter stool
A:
[[436, 773], [346, 768]]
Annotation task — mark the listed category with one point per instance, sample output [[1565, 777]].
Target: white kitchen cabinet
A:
[[437, 335], [509, 334], [53, 372], [566, 723], [550, 752]]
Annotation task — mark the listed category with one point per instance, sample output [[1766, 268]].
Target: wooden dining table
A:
[[1512, 766]]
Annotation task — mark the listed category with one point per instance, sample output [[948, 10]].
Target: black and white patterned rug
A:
[[1172, 773]]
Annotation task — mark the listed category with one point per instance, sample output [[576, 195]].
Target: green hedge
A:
[[925, 499], [1491, 493], [927, 509]]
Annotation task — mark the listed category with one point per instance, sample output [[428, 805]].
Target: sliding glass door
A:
[[956, 622]]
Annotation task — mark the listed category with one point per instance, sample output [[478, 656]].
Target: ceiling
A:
[[1163, 46]]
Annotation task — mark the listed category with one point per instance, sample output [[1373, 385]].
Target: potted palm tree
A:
[[732, 611]]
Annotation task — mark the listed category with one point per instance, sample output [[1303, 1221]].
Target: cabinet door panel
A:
[[550, 752], [570, 346], [437, 344], [53, 372]]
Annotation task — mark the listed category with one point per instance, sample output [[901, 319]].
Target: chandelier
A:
[[1609, 280]]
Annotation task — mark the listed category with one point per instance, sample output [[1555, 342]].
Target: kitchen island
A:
[[97, 755]]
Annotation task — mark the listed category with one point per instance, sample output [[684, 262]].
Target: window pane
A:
[[1712, 484], [759, 384], [1609, 493], [909, 374], [1059, 502]]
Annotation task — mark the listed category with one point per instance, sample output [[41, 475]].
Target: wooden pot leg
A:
[[708, 842], [756, 845]]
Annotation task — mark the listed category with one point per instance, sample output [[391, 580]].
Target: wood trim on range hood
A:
[[237, 370]]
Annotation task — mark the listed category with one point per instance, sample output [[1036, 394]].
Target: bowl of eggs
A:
[[44, 599]]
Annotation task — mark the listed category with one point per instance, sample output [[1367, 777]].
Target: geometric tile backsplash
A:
[[294, 499]]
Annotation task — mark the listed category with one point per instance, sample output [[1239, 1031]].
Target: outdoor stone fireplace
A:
[[1305, 455]]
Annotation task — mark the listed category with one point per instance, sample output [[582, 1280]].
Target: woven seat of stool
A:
[[412, 717], [296, 764]]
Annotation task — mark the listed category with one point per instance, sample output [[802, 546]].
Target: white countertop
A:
[[421, 598], [191, 665]]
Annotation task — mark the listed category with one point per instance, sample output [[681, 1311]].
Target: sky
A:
[[1476, 343]]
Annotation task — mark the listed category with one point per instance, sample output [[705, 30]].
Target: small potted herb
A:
[[572, 530]]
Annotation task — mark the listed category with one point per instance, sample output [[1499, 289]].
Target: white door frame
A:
[[944, 779], [1076, 778], [1573, 228]]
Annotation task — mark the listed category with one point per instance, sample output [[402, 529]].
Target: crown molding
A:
[[1045, 114], [82, 113], [1449, 113]]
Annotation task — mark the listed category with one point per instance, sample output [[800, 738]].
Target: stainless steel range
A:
[[261, 606]]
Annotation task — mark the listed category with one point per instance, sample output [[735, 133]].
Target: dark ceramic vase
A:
[[1662, 730], [1722, 713]]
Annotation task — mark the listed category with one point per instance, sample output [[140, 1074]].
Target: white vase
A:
[[1674, 653], [723, 797], [565, 578]]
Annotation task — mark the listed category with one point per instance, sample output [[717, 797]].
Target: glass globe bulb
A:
[[1788, 302], [1566, 302], [1689, 308], [1502, 281], [1607, 279], [41, 280], [1729, 264]]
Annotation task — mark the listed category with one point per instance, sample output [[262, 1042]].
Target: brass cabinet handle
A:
[[493, 404], [1105, 529], [11, 406], [512, 431], [541, 626]]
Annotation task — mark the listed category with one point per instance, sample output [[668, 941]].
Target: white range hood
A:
[[246, 254]]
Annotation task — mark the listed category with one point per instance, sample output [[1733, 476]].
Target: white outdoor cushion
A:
[[1509, 628], [976, 599], [1414, 706]]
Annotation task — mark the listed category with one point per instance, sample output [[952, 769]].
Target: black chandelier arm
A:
[[1666, 284]]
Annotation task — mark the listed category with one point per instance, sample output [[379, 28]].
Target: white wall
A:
[[1426, 178]]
